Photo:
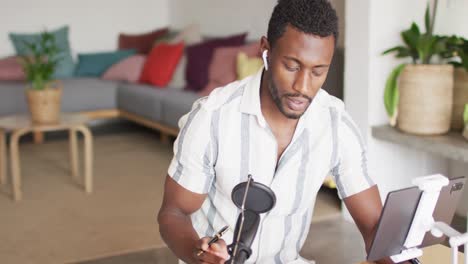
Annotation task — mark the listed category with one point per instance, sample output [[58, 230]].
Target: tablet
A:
[[397, 216]]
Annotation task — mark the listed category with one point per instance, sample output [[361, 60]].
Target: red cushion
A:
[[142, 43], [161, 64]]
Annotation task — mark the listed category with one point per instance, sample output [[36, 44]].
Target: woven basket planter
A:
[[460, 98], [44, 105], [426, 99]]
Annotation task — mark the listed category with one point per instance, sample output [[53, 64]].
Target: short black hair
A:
[[316, 17]]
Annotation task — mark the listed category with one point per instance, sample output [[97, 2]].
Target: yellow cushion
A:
[[329, 182], [247, 66]]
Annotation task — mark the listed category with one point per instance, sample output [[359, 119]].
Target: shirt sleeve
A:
[[192, 166], [350, 171]]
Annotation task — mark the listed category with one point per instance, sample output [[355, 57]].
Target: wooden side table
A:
[[19, 125]]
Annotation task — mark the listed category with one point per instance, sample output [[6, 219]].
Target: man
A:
[[279, 126]]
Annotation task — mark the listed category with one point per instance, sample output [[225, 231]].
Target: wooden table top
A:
[[436, 254], [23, 121]]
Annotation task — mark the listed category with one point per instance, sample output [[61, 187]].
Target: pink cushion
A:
[[11, 70], [222, 68], [128, 69]]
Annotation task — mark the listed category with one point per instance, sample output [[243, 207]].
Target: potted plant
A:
[[43, 93], [419, 95], [458, 49], [465, 119]]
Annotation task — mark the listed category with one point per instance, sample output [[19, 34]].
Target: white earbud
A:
[[265, 61]]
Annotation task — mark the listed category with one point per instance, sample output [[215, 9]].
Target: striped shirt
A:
[[225, 137]]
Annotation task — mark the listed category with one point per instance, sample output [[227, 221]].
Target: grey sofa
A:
[[152, 106], [158, 108]]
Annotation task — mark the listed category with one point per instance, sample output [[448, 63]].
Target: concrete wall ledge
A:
[[451, 145]]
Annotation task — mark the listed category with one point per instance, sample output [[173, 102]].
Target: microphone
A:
[[252, 198], [246, 236]]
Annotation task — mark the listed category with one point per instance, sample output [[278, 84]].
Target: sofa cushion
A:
[[222, 70], [11, 69], [178, 78], [66, 66], [128, 70], [199, 57], [161, 63], [175, 104], [190, 35], [140, 99], [247, 66], [96, 64], [142, 43]]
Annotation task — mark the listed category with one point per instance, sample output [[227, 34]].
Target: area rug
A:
[[57, 222]]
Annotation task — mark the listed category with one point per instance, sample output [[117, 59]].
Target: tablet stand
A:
[[423, 221]]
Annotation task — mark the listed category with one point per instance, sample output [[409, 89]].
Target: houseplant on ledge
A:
[[418, 95], [44, 93], [458, 50]]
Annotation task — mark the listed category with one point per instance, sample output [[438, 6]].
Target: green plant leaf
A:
[[463, 53], [411, 39], [426, 48], [427, 20], [411, 36], [391, 93], [465, 114], [40, 63], [390, 50], [421, 47], [401, 52]]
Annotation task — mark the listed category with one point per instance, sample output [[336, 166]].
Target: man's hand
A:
[[213, 254]]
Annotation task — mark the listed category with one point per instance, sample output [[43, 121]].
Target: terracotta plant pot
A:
[[426, 99], [44, 105], [460, 98]]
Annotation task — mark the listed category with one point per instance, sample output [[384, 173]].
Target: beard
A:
[[277, 99]]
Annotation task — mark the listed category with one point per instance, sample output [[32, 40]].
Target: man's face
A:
[[298, 66]]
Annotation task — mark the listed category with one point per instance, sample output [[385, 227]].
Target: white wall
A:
[[94, 25], [224, 17], [371, 27]]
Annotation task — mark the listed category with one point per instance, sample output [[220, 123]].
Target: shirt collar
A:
[[250, 103]]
